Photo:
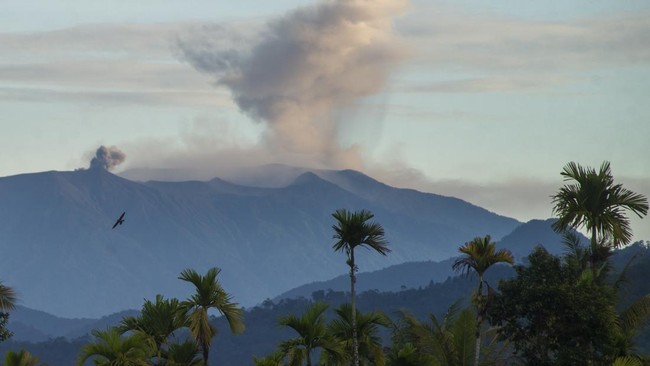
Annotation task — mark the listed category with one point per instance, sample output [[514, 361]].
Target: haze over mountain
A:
[[61, 256], [520, 242]]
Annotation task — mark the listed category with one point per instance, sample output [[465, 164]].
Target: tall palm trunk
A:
[[206, 353], [205, 343], [353, 229], [353, 280], [592, 256], [479, 320]]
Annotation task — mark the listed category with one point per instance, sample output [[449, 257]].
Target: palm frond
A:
[[7, 297], [20, 358], [110, 346], [594, 202], [353, 229], [627, 361], [183, 354], [209, 294], [480, 254], [635, 315]]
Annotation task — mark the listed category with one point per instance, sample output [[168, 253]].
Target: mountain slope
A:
[[60, 254]]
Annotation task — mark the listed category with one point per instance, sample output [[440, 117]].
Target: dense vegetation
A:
[[586, 307]]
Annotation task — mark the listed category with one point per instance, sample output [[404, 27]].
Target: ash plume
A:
[[304, 69], [107, 158]]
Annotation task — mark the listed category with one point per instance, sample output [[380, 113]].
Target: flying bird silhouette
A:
[[120, 220]]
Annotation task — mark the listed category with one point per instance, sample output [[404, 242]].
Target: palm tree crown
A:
[[481, 254], [20, 358], [7, 297], [111, 349], [353, 229], [595, 202], [158, 320], [369, 340], [312, 334], [209, 295]]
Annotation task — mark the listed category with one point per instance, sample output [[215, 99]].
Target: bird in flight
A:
[[120, 220]]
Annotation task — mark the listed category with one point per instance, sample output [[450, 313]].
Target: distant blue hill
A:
[[520, 242]]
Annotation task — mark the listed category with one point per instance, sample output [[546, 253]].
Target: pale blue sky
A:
[[482, 100]]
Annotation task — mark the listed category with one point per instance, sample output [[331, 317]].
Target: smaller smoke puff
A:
[[107, 158]]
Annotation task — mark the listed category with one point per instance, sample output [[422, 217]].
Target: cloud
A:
[[118, 98], [504, 53], [499, 83], [91, 42], [115, 64], [304, 69], [489, 41]]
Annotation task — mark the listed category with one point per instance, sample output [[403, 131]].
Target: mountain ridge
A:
[[57, 243]]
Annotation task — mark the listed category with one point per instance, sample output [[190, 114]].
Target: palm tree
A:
[[274, 359], [4, 332], [353, 229], [7, 297], [629, 322], [593, 202], [7, 302], [20, 358], [445, 342], [627, 361], [369, 341], [479, 255], [183, 354], [158, 320], [408, 355], [209, 295], [111, 349], [312, 334]]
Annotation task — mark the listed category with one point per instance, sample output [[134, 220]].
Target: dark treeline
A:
[[263, 333]]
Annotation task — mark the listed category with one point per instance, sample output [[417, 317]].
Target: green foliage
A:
[[274, 359], [158, 320], [312, 335], [627, 361], [183, 354], [4, 332], [449, 341], [408, 355], [553, 316], [628, 324], [368, 327], [111, 349], [7, 302], [20, 358]]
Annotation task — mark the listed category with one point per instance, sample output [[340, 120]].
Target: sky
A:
[[485, 101]]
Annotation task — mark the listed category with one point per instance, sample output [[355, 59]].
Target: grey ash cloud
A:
[[304, 68], [107, 158]]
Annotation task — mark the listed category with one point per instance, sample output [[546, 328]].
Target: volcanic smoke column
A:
[[305, 68], [107, 158]]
